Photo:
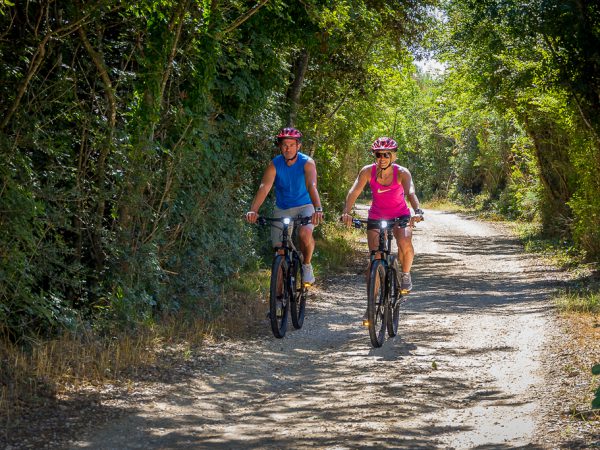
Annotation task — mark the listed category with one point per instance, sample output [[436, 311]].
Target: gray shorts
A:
[[298, 211]]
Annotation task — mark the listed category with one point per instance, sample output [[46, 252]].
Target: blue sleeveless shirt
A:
[[290, 182]]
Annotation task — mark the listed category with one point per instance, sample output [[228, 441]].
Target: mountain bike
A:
[[383, 285], [288, 290]]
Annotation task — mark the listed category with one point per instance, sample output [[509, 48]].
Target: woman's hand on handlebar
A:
[[347, 219], [418, 217]]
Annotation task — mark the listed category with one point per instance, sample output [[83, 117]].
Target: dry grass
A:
[[443, 204], [586, 302], [49, 368], [245, 301], [335, 247], [584, 348]]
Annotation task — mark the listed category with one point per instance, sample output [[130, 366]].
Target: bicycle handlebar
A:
[[358, 223], [296, 220]]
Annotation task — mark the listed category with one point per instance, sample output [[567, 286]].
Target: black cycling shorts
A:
[[373, 224]]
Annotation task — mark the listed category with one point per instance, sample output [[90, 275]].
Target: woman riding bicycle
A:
[[390, 183]]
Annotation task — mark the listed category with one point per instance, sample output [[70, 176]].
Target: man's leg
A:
[[307, 242], [307, 247]]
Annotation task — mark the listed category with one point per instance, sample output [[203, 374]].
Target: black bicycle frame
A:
[[386, 232], [287, 243]]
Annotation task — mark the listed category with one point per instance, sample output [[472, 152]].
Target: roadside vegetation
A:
[[41, 370]]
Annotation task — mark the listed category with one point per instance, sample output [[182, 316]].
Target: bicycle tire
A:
[[377, 309], [279, 292], [298, 296], [394, 297]]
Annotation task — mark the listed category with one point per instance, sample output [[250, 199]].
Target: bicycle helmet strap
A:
[[380, 169], [291, 159]]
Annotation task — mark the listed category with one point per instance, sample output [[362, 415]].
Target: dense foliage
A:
[[133, 135], [531, 73]]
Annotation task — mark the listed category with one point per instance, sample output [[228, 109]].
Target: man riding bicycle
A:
[[295, 177], [390, 183]]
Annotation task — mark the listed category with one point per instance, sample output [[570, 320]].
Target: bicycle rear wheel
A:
[[279, 301], [377, 309], [298, 304], [394, 297]]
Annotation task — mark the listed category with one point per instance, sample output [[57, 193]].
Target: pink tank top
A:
[[388, 201]]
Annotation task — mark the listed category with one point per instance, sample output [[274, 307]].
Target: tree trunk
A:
[[295, 88], [556, 174]]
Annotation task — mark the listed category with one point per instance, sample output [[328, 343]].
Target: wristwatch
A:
[[419, 211], [319, 209]]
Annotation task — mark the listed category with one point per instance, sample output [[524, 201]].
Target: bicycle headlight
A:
[[286, 220], [383, 224]]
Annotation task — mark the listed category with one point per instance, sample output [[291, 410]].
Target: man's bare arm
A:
[[261, 194]]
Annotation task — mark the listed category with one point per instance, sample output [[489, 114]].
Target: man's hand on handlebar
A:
[[317, 216], [251, 216]]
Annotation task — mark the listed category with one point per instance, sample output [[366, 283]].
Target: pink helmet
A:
[[289, 133], [384, 143]]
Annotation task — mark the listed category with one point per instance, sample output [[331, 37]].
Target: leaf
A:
[[596, 369], [596, 403]]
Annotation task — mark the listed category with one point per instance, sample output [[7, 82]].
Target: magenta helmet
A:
[[289, 133], [384, 143]]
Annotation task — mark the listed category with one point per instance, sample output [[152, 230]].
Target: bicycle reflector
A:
[[286, 220]]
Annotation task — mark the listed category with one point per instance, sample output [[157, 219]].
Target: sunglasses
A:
[[386, 155]]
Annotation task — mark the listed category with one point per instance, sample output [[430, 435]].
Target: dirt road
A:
[[464, 372]]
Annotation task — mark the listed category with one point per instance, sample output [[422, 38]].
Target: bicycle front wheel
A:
[[298, 304], [279, 301], [377, 309], [394, 297]]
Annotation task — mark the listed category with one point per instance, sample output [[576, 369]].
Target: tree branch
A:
[[241, 19], [104, 76], [178, 20], [35, 64]]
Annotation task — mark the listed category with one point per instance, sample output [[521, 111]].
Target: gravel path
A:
[[464, 371]]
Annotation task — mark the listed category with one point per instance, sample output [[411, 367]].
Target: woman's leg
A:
[[406, 254], [406, 251]]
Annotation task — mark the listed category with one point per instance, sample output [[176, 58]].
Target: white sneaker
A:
[[406, 283], [307, 274]]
